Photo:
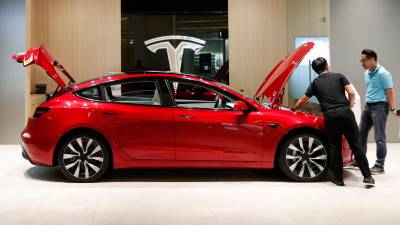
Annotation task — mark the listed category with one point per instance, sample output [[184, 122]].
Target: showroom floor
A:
[[35, 195]]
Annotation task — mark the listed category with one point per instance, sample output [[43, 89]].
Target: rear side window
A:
[[90, 93], [134, 92]]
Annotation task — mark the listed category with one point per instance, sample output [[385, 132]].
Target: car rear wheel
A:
[[83, 158], [304, 157]]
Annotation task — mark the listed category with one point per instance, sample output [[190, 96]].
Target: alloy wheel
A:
[[306, 157], [83, 157]]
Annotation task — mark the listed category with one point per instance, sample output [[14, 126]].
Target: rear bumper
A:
[[37, 149], [26, 156]]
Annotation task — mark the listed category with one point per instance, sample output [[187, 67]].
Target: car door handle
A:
[[186, 117], [110, 113]]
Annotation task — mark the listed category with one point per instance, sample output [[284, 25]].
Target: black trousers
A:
[[339, 122]]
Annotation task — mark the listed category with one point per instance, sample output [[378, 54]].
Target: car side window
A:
[[188, 95], [90, 93], [134, 92]]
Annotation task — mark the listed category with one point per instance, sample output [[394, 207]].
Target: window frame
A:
[[156, 80], [200, 84]]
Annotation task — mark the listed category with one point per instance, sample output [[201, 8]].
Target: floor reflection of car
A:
[[159, 120]]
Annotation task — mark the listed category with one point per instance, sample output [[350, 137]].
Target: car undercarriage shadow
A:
[[175, 175]]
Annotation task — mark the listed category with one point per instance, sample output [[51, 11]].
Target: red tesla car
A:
[[164, 120]]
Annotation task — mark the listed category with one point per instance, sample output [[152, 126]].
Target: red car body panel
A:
[[134, 128], [158, 136]]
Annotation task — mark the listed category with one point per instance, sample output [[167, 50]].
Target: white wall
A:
[[359, 24], [12, 75]]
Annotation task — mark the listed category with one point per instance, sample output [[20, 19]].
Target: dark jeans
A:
[[375, 115], [341, 122]]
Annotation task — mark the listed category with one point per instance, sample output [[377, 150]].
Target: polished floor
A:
[[35, 195]]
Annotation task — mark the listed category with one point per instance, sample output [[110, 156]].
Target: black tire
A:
[[84, 157], [302, 162]]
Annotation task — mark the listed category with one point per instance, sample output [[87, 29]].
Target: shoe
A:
[[338, 182], [377, 169], [369, 181]]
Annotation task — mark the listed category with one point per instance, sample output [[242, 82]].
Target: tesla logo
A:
[[175, 54]]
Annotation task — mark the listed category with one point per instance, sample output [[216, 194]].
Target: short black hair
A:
[[370, 53], [319, 65]]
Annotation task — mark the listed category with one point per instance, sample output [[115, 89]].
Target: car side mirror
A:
[[240, 106]]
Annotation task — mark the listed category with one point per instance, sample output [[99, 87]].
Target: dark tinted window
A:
[[90, 93]]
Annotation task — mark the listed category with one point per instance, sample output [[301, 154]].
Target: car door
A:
[[134, 113], [207, 127]]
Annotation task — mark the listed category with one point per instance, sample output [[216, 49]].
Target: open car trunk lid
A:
[[276, 79], [41, 57]]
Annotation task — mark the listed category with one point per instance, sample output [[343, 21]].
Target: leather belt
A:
[[376, 103]]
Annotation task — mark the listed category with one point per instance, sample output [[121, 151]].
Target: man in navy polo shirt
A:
[[380, 101]]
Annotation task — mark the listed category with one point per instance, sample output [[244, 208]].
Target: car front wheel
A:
[[83, 158], [304, 157]]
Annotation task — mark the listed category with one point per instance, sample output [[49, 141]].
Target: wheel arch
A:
[[293, 132], [81, 130]]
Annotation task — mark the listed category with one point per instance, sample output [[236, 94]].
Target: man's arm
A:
[[301, 102], [352, 95], [387, 83], [391, 99]]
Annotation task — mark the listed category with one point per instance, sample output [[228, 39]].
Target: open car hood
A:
[[276, 79], [41, 57]]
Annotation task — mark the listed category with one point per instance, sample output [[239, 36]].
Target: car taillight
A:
[[40, 111]]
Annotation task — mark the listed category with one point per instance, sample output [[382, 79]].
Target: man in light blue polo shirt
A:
[[380, 101]]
